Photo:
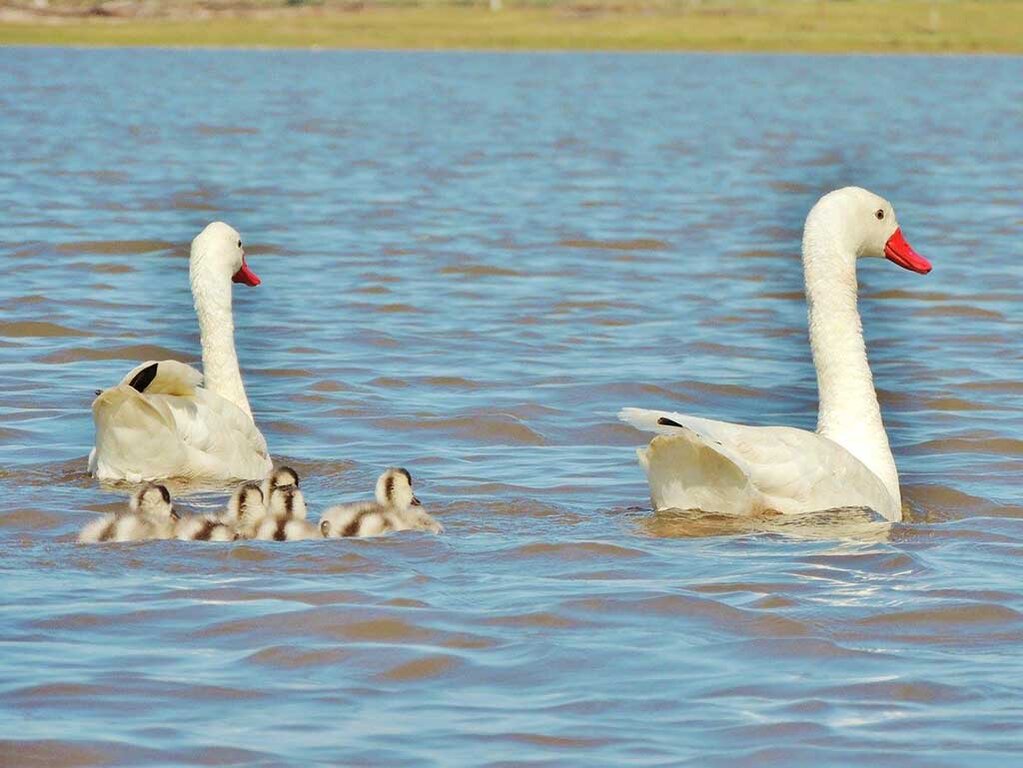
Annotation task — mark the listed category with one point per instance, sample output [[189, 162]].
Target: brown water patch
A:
[[793, 187], [129, 352], [494, 430], [205, 129], [290, 657], [38, 328], [1002, 446], [398, 309], [343, 624], [78, 753], [556, 742], [783, 295], [283, 373], [450, 382], [730, 618], [111, 269], [115, 247], [420, 669], [959, 310], [637, 244], [957, 404], [994, 385], [534, 620], [481, 270], [31, 519], [31, 299], [372, 290], [329, 385], [903, 691], [573, 551], [388, 382], [900, 293], [947, 617]]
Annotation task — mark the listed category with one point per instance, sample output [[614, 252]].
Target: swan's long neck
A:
[[212, 295], [849, 413]]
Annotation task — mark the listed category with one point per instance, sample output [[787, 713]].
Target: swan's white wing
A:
[[159, 423], [697, 463]]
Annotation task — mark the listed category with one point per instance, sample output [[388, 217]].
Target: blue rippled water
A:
[[470, 262]]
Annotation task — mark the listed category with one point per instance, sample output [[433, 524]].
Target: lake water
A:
[[470, 263]]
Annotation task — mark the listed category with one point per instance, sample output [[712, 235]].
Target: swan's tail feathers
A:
[[131, 430], [164, 377], [689, 464], [686, 471]]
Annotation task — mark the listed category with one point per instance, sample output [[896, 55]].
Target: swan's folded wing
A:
[[787, 469], [163, 377], [133, 434], [221, 437], [150, 436]]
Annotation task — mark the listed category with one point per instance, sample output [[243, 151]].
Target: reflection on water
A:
[[470, 263], [856, 523]]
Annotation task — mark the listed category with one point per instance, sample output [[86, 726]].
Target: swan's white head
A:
[[394, 489], [864, 225], [218, 249], [246, 503], [153, 501]]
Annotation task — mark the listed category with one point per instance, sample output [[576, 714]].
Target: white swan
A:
[[159, 422], [714, 466]]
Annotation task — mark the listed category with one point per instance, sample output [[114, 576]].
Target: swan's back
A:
[[714, 466]]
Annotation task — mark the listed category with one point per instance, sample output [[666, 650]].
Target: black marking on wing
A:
[[279, 534], [664, 421], [144, 378]]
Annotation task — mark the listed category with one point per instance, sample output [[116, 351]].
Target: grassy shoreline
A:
[[812, 26]]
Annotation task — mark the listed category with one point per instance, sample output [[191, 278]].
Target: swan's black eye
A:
[[240, 242], [325, 528], [879, 214]]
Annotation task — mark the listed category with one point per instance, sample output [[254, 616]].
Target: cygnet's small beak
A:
[[416, 502], [902, 253], [174, 514], [245, 275]]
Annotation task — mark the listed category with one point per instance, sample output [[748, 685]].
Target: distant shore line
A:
[[813, 26]]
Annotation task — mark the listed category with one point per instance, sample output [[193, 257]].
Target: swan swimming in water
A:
[[396, 509], [159, 422], [715, 466]]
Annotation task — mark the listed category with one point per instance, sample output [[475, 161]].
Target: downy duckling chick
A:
[[277, 478], [246, 510], [286, 519], [150, 515], [396, 509], [203, 528]]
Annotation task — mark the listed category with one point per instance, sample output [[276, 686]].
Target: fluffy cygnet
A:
[[277, 478], [285, 520], [396, 509], [246, 510], [150, 515]]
